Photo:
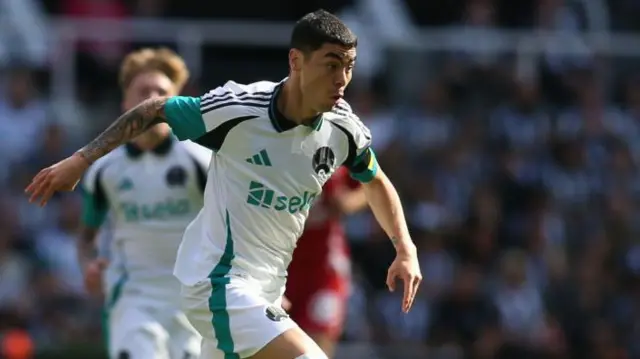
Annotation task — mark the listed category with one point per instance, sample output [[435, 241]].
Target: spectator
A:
[[23, 115]]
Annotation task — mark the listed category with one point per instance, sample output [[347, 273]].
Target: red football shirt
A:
[[323, 246]]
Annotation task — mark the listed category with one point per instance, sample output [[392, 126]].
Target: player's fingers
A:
[[408, 291], [38, 189], [37, 179], [47, 194], [416, 285], [36, 182], [391, 280]]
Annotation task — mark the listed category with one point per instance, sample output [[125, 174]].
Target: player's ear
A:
[[296, 57]]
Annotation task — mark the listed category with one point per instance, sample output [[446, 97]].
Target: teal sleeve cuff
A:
[[365, 167], [184, 117]]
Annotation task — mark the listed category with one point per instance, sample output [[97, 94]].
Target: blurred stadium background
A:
[[512, 129]]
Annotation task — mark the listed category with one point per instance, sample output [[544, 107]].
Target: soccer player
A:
[[274, 146], [153, 188], [319, 273]]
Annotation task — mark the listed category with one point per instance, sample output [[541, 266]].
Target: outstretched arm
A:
[[183, 114], [128, 126]]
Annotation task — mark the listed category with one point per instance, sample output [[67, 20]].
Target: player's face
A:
[[147, 85], [325, 74]]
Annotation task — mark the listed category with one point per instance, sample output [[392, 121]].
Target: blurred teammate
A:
[[153, 188], [275, 145], [319, 274]]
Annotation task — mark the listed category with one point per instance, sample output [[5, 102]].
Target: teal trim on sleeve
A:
[[93, 212], [184, 116], [370, 171]]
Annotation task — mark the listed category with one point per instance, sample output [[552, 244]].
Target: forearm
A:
[[87, 245], [387, 208], [128, 126]]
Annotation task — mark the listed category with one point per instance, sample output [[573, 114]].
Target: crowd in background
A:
[[522, 193]]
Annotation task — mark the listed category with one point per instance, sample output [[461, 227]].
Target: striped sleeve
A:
[[192, 117], [361, 160]]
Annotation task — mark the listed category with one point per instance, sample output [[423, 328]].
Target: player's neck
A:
[[153, 137], [291, 104]]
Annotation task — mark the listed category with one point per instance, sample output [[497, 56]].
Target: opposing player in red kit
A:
[[319, 274]]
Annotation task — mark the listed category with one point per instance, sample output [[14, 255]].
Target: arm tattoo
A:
[[125, 128], [394, 241]]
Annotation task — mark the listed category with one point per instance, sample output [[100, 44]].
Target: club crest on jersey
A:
[[176, 176], [276, 314], [323, 161]]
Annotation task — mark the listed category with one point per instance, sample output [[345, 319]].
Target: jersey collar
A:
[[161, 149], [279, 121]]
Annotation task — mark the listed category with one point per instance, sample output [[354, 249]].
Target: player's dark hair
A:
[[318, 28]]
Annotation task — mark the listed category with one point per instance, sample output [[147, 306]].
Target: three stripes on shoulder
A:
[[222, 97]]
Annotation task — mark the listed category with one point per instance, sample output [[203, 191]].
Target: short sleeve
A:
[[184, 117], [94, 200], [192, 117], [361, 162], [364, 166]]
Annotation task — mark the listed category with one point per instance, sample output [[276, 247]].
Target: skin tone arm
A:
[[65, 175], [128, 126], [86, 245], [91, 266], [387, 208]]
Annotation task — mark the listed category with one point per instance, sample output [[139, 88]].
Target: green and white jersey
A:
[[264, 175], [150, 197]]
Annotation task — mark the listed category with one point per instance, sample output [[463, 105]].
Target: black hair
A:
[[318, 28]]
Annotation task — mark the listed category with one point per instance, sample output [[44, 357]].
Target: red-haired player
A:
[[319, 274]]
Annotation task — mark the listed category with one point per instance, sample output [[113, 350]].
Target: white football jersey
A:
[[264, 175], [150, 197]]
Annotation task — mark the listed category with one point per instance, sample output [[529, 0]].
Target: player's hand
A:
[[93, 271], [63, 176], [406, 268]]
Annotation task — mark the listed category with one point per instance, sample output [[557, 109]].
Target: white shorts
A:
[[140, 331], [235, 315]]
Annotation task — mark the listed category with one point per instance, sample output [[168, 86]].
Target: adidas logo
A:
[[125, 185], [261, 159]]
